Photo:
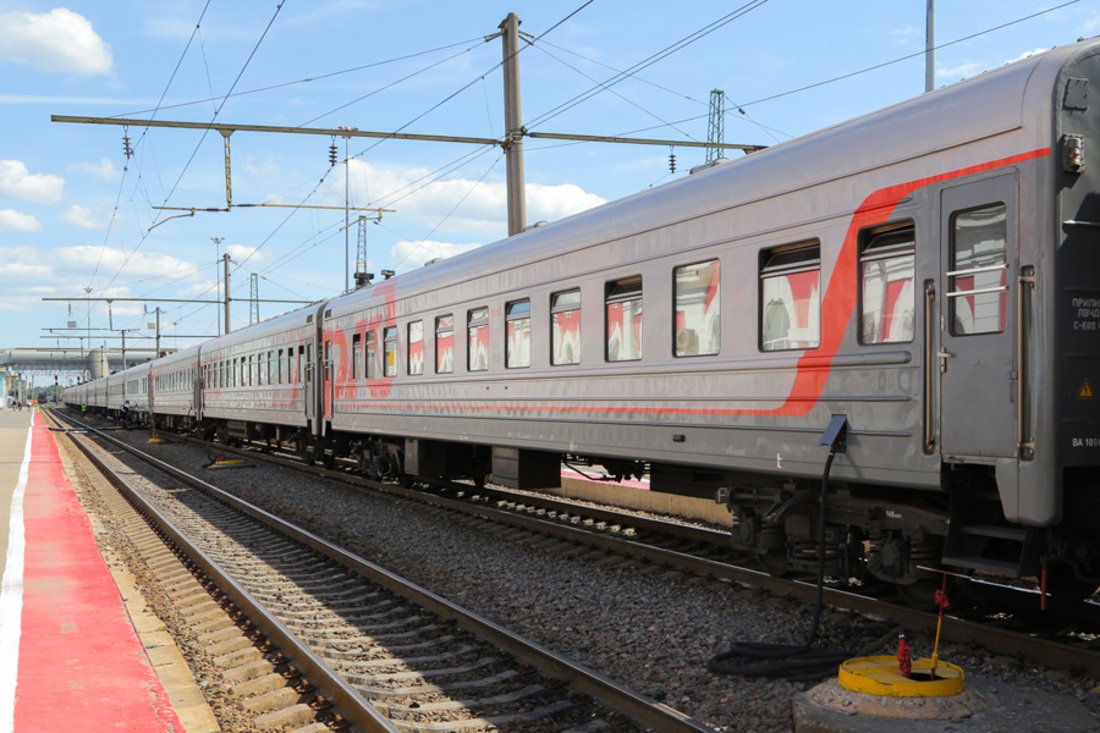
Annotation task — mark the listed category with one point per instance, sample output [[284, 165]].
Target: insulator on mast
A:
[[671, 161], [333, 154]]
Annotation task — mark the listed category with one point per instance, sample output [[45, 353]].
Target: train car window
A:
[[623, 311], [477, 331], [372, 356], [978, 279], [356, 356], [698, 305], [517, 325], [279, 367], [565, 328], [886, 263], [790, 298], [271, 367], [415, 349], [444, 344], [389, 355], [300, 374]]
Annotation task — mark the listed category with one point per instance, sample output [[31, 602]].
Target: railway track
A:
[[1064, 642], [382, 652]]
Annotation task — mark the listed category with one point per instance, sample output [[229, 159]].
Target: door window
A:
[[978, 279]]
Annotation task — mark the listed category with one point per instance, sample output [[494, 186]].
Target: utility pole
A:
[[930, 47], [225, 260], [157, 310], [217, 278], [513, 123]]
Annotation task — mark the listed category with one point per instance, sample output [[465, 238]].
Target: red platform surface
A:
[[81, 665]]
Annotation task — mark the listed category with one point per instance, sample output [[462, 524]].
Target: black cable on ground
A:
[[790, 661]]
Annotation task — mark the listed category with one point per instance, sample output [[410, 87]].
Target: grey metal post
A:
[[930, 47], [225, 259], [513, 122], [217, 284]]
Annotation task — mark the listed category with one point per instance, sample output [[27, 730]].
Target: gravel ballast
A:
[[651, 629]]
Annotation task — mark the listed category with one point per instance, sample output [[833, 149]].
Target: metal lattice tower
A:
[[361, 255], [716, 124], [254, 294]]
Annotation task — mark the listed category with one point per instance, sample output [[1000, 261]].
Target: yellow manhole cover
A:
[[881, 676]]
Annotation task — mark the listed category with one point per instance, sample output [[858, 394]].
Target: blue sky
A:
[[76, 213]]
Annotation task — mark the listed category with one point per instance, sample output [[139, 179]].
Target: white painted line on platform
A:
[[11, 595]]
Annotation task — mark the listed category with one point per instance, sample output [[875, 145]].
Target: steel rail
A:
[[650, 713], [350, 704]]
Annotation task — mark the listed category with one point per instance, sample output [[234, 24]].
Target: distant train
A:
[[930, 272]]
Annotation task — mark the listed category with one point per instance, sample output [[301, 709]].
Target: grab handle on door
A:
[[943, 357], [929, 331], [1025, 442]]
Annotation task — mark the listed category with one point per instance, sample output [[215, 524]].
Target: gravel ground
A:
[[647, 628]]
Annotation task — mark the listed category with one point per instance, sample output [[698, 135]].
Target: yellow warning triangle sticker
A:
[[1085, 393]]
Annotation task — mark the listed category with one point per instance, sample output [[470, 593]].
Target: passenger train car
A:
[[929, 272]]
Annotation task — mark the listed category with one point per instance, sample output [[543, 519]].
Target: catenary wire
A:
[[187, 165]]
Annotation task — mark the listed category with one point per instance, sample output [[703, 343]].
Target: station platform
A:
[[71, 657]]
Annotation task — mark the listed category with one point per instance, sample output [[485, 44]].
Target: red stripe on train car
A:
[[813, 367]]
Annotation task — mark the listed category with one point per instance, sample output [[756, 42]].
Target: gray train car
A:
[[176, 394], [255, 382]]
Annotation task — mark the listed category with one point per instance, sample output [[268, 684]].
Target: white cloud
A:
[[59, 40], [240, 252], [456, 205], [104, 170], [83, 218], [412, 255], [551, 203], [82, 259], [23, 271], [1026, 54], [18, 221], [19, 183], [973, 68], [960, 71]]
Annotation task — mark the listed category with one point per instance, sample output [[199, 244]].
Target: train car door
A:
[[329, 394], [976, 357]]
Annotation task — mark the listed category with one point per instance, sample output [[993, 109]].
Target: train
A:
[[923, 281]]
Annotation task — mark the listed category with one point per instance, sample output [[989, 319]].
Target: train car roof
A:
[[271, 327], [186, 354]]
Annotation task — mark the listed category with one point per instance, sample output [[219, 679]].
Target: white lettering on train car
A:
[[1086, 314]]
